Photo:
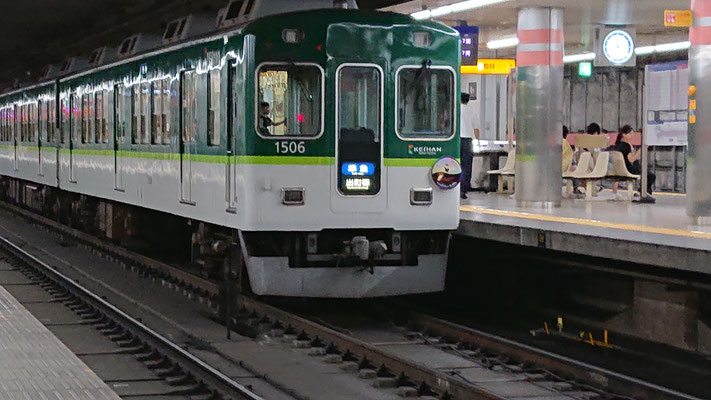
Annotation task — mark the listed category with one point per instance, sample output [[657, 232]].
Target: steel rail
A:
[[224, 381], [579, 370]]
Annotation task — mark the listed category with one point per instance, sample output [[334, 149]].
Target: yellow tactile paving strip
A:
[[586, 222]]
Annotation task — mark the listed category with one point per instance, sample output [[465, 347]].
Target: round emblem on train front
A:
[[446, 172]]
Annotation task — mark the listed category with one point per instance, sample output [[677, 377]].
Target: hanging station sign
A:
[[469, 36]]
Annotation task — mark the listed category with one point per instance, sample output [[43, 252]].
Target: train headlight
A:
[[446, 173]]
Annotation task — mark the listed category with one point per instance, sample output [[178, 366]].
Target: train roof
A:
[[295, 19]]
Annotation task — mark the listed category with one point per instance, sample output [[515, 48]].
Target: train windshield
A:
[[425, 102], [290, 100]]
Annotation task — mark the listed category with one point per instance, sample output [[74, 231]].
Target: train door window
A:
[[84, 123], [98, 116], [290, 100], [123, 101], [76, 118], [359, 104], [65, 102], [213, 108], [156, 125], [42, 120], [145, 113], [51, 120], [91, 118], [165, 117], [425, 102], [34, 120], [136, 114], [189, 106], [3, 125]]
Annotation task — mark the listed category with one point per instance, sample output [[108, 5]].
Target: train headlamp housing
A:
[[446, 173], [421, 39], [292, 35]]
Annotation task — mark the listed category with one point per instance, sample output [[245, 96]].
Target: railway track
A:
[[569, 378], [189, 375]]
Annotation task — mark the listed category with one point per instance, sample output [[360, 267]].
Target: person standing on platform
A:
[[467, 134]]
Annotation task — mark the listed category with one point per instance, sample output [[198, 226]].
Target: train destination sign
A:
[[469, 36]]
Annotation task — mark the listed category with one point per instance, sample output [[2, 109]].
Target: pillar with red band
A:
[[539, 106], [698, 171]]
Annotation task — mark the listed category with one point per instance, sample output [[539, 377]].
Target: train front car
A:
[[348, 167]]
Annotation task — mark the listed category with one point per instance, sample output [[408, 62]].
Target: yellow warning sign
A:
[[677, 17], [692, 119], [692, 104]]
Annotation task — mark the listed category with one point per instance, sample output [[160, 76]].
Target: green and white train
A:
[[344, 186]]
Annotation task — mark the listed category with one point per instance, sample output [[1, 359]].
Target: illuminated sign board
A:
[[357, 169], [469, 36], [357, 183], [490, 66], [677, 18], [585, 69]]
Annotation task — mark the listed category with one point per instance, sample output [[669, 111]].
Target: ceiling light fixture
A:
[[578, 57], [662, 48], [502, 43], [455, 7]]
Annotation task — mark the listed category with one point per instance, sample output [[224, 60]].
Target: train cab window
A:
[[213, 108], [359, 96], [290, 100], [425, 102], [165, 116]]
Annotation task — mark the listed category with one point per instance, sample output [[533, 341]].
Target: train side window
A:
[[165, 117], [156, 125], [3, 125], [290, 100], [213, 108], [135, 113], [145, 113], [425, 102]]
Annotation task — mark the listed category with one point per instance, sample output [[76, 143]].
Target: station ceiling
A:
[[36, 33], [581, 16]]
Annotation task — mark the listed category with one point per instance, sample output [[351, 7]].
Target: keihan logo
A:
[[423, 150]]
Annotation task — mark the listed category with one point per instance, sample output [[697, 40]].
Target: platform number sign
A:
[[469, 44]]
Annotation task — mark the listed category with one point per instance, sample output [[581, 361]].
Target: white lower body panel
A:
[[272, 276]]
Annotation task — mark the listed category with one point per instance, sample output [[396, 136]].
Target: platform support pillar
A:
[[539, 107], [698, 178]]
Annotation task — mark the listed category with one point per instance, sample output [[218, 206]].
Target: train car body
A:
[[313, 134]]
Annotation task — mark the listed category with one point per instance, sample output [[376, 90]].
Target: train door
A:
[[41, 130], [15, 136], [188, 134], [121, 108], [233, 131], [357, 174], [75, 133]]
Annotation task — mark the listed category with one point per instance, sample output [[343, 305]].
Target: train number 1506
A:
[[290, 147]]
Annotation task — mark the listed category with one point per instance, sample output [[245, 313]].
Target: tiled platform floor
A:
[[34, 364]]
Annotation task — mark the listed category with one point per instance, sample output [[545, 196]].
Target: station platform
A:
[[658, 234], [34, 364]]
